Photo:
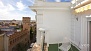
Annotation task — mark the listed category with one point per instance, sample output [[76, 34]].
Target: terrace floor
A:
[[37, 47], [52, 47]]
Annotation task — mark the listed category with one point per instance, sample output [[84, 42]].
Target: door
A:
[[90, 36]]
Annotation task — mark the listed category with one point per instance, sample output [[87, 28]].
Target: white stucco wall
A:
[[79, 35], [84, 33], [77, 30], [57, 25], [55, 18]]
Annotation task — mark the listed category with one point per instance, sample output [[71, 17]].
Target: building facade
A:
[[58, 21], [18, 37], [22, 37], [26, 23], [53, 21], [81, 11], [1, 42], [16, 40]]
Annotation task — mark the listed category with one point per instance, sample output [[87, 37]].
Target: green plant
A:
[[20, 47], [31, 33]]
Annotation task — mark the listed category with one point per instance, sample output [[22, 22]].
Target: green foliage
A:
[[20, 47], [31, 33]]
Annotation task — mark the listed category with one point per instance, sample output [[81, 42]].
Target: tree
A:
[[31, 34], [20, 47]]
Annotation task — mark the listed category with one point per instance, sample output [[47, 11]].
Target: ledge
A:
[[51, 5], [83, 4]]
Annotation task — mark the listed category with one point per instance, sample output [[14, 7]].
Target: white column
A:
[[39, 25], [84, 33]]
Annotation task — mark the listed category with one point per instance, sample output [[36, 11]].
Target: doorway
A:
[[89, 35]]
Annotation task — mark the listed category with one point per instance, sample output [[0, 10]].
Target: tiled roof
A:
[[9, 33]]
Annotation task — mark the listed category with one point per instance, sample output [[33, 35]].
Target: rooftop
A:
[[27, 17], [9, 33]]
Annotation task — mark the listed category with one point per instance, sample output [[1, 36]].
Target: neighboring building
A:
[[26, 23], [13, 38], [10, 22], [16, 38], [13, 24], [7, 29], [10, 40], [2, 42]]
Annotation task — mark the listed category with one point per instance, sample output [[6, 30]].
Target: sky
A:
[[16, 9]]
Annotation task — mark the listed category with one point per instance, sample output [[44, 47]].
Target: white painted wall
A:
[[57, 23], [84, 33], [55, 18], [79, 35], [77, 30]]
